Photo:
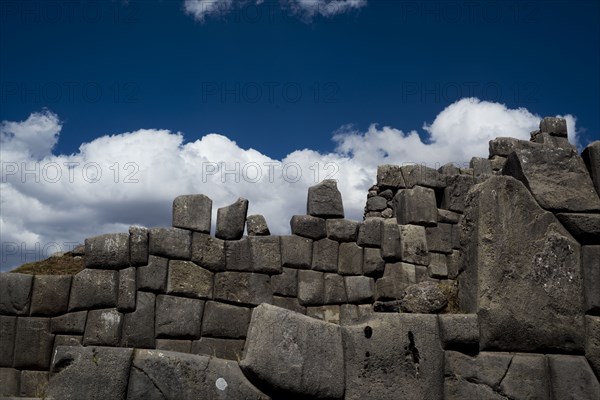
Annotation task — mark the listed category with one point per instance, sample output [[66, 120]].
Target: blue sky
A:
[[280, 77]]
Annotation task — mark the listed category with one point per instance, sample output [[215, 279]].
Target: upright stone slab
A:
[[15, 293], [33, 343], [591, 157], [373, 263], [231, 220], [208, 252], [153, 277], [394, 356], [138, 326], [138, 246], [350, 259], [416, 206], [413, 245], [522, 272], [127, 290], [110, 251], [94, 288], [9, 382], [311, 288], [325, 255], [50, 294], [390, 240], [290, 354], [325, 200], [170, 243], [193, 212]]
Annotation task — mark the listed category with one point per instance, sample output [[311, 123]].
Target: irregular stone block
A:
[[103, 328], [8, 327], [437, 267], [257, 225], [325, 255], [390, 176], [243, 288], [390, 240], [503, 146], [591, 158], [127, 290], [93, 288], [9, 382], [16, 293], [329, 313], [69, 323], [325, 200], [50, 294], [138, 246], [369, 233], [311, 288], [227, 349], [592, 342], [554, 126], [225, 320], [178, 317], [33, 383], [334, 289], [296, 252], [138, 326], [208, 252], [190, 280], [396, 278], [286, 283], [153, 276], [376, 203], [187, 376], [439, 238], [416, 206], [237, 254], [523, 273], [497, 163], [449, 169], [266, 254], [67, 340], [33, 343], [350, 259], [360, 289], [455, 192], [413, 245], [170, 243], [447, 217], [181, 346], [584, 227], [289, 303], [421, 175], [459, 332], [110, 251], [373, 263], [591, 278], [308, 226], [342, 230], [94, 373], [453, 264], [193, 212], [423, 298], [456, 237], [481, 166], [394, 356], [293, 355], [572, 378], [231, 220]]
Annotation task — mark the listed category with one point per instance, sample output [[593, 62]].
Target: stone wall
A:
[[459, 283]]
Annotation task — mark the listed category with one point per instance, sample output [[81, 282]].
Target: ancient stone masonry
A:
[[477, 283]]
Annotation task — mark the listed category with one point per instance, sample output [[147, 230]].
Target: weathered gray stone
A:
[[396, 278], [334, 289], [103, 328], [208, 252], [591, 158], [94, 373], [170, 243], [228, 349], [69, 323], [178, 317], [237, 255], [553, 141], [527, 378], [413, 245], [584, 227], [93, 288], [243, 288], [503, 146], [138, 246], [592, 342], [522, 271], [448, 217], [376, 203], [369, 232], [15, 290], [449, 169], [225, 320], [424, 298], [554, 126], [328, 313], [459, 332], [572, 378], [8, 328], [456, 237], [286, 283], [257, 225], [456, 191], [231, 220], [557, 177], [153, 276], [387, 194], [67, 340], [138, 326], [266, 254], [33, 383], [182, 346], [390, 240], [127, 290], [325, 200], [193, 212], [437, 266], [416, 206], [350, 259], [439, 238], [296, 252], [497, 163], [168, 375], [9, 382], [591, 278], [311, 288], [325, 255], [390, 176], [289, 303], [394, 356], [110, 251], [481, 166], [342, 230], [360, 289], [50, 294], [422, 175], [308, 226], [453, 264], [33, 343], [373, 263], [290, 354], [190, 280]]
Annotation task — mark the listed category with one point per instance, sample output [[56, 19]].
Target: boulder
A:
[[325, 200], [311, 288], [359, 289], [127, 290], [592, 343], [9, 383], [33, 383], [423, 298], [334, 289], [373, 262], [257, 225], [459, 332], [422, 175], [390, 240], [456, 191], [350, 259], [376, 203], [69, 323], [110, 251], [228, 349], [396, 278], [369, 232], [193, 212], [231, 220], [286, 283]]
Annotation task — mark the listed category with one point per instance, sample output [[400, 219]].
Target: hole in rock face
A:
[[368, 332], [367, 354]]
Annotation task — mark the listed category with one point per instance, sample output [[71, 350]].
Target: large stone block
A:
[[208, 252], [103, 328], [439, 238], [181, 346], [373, 263], [91, 373], [15, 293], [359, 289], [572, 378], [481, 166], [286, 283], [228, 349], [153, 277], [193, 212], [503, 146], [554, 126], [325, 255], [138, 326], [289, 303], [591, 157], [390, 240], [416, 206], [231, 220], [225, 320], [394, 356], [396, 278], [110, 251], [421, 175], [308, 226], [342, 230], [590, 261], [266, 254], [390, 176], [8, 328], [413, 245], [369, 232], [69, 323], [592, 342], [178, 317], [350, 259], [437, 268], [325, 200], [33, 383], [33, 343], [522, 272], [455, 192], [127, 290], [237, 255], [244, 288], [170, 243], [423, 298], [257, 225], [376, 203], [67, 340], [334, 289], [584, 227], [138, 246], [296, 252], [311, 288], [292, 355], [50, 294], [94, 288], [459, 332], [9, 382], [190, 280]]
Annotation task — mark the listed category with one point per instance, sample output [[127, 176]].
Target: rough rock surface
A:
[[193, 212], [325, 200], [231, 220], [425, 297]]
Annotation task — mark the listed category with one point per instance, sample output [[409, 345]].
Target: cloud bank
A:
[[50, 201]]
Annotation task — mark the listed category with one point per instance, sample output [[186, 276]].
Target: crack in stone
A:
[[152, 381]]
